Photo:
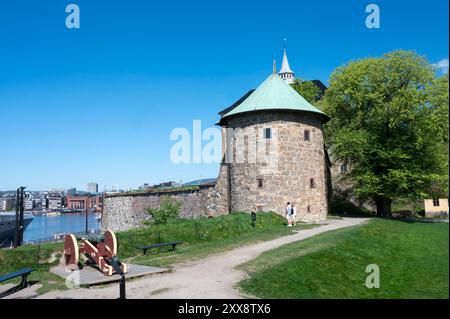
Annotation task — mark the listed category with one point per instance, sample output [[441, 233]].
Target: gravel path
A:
[[213, 277]]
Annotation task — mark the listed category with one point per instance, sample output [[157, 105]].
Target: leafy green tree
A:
[[307, 89], [439, 97], [168, 209], [389, 123]]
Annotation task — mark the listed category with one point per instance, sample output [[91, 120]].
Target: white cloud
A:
[[441, 66]]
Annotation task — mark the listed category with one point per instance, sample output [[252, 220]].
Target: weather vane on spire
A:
[[284, 43]]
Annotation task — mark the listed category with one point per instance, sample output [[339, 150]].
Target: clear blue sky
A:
[[98, 103]]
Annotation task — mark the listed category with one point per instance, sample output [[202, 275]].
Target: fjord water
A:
[[45, 227]]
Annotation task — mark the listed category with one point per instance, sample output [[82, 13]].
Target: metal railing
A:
[[59, 237]]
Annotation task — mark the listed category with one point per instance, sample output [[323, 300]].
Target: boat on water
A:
[[8, 226], [50, 214]]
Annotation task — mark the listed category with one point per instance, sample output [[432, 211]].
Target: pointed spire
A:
[[274, 66], [285, 72], [285, 68]]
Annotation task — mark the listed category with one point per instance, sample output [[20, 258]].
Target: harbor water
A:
[[45, 227]]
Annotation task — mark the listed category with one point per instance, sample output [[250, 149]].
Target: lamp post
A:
[[16, 232], [18, 235], [86, 209], [22, 208]]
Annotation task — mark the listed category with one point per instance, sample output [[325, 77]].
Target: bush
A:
[[342, 206], [421, 213], [168, 209]]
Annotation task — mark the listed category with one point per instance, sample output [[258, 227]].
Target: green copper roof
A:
[[274, 94]]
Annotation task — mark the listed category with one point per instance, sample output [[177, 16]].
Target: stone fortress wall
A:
[[129, 210]]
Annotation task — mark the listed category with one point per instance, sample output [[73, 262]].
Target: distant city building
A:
[[57, 190], [29, 201], [54, 201], [7, 203], [167, 185], [202, 181], [83, 201], [146, 186], [43, 201], [92, 188]]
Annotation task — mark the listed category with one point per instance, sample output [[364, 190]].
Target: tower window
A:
[[312, 183], [306, 135], [308, 209], [267, 133], [344, 168], [436, 202], [260, 183]]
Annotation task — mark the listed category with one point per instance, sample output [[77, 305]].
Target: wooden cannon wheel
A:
[[110, 240], [71, 252]]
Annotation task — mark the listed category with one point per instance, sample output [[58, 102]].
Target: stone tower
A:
[[273, 153]]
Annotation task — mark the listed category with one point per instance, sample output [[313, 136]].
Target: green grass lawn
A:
[[412, 257], [200, 250], [195, 231], [199, 238], [40, 257]]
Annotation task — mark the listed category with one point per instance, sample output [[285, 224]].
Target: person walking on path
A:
[[289, 213], [294, 213]]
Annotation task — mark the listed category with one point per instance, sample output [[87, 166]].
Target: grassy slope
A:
[[39, 257], [194, 231], [200, 238], [202, 249], [413, 260]]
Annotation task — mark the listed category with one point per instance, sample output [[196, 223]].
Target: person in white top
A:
[[288, 213], [294, 213]]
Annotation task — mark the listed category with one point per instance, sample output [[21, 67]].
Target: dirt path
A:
[[212, 277]]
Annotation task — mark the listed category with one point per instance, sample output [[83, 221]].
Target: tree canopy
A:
[[307, 89], [389, 123]]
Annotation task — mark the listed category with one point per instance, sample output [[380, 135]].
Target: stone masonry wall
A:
[[127, 211], [343, 189]]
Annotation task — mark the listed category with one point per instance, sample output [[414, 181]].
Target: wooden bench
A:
[[145, 248], [24, 272]]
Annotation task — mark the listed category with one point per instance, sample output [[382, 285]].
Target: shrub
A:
[[168, 209], [342, 206]]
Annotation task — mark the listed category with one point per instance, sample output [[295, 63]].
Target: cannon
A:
[[100, 251]]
